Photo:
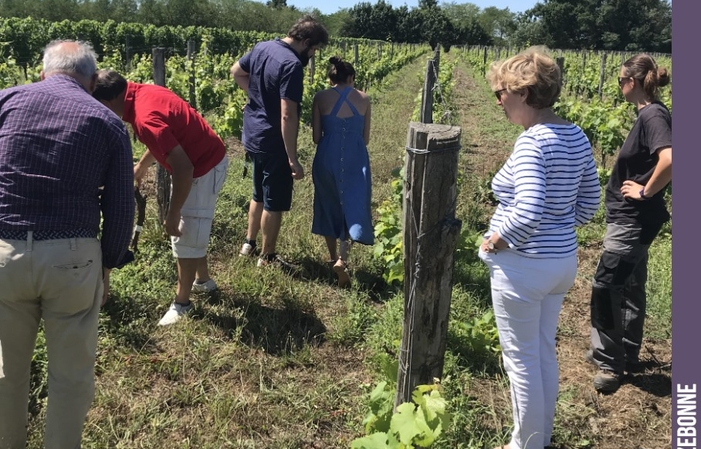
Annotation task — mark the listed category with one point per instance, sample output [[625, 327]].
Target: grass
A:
[[275, 361]]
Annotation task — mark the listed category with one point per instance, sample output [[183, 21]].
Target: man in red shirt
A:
[[180, 140]]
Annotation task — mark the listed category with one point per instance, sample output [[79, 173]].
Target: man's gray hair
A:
[[79, 58]]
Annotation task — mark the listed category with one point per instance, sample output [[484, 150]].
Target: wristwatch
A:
[[642, 194], [490, 247]]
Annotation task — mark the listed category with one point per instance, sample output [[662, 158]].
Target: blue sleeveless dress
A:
[[341, 175]]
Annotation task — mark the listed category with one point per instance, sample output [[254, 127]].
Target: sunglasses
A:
[[621, 81], [497, 93]]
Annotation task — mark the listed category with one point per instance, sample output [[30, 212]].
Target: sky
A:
[[332, 6]]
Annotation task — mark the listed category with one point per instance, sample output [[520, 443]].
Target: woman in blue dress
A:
[[341, 168]]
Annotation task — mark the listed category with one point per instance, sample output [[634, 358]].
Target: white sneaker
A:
[[247, 249], [174, 314], [205, 287]]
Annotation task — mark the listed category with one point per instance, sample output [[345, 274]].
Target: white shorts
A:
[[197, 214]]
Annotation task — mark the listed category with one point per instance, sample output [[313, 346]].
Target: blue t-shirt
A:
[[275, 73]]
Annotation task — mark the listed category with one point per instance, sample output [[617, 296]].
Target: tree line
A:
[[612, 25]]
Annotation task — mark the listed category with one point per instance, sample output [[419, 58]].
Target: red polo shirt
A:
[[162, 120]]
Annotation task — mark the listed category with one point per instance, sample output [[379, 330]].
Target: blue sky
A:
[[332, 6]]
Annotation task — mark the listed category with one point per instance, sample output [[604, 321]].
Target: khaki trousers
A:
[[59, 281]]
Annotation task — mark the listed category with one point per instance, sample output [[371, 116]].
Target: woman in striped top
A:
[[547, 187]]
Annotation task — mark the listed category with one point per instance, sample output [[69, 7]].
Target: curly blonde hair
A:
[[533, 72]]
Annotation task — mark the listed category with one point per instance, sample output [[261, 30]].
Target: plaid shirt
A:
[[64, 159]]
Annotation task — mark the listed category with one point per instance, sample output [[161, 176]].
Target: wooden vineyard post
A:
[[162, 177], [561, 64], [191, 78], [602, 75], [430, 80], [431, 233], [312, 68], [427, 93]]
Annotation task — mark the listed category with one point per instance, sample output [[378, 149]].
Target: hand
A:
[[297, 170], [485, 248], [499, 244], [631, 190], [139, 173], [106, 283], [172, 223]]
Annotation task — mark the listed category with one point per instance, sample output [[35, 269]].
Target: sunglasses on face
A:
[[622, 81], [497, 93]]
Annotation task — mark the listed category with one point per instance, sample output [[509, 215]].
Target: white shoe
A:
[[205, 287], [174, 314], [247, 249]]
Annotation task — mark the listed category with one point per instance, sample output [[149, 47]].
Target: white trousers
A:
[[527, 295]]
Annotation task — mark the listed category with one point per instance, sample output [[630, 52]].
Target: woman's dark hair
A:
[[643, 68], [109, 85], [309, 28], [340, 70]]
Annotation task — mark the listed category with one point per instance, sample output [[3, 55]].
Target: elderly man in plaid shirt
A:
[[66, 217]]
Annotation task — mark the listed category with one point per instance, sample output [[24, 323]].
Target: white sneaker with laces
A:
[[204, 287], [174, 313], [247, 249]]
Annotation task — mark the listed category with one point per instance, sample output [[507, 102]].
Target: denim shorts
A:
[[272, 181]]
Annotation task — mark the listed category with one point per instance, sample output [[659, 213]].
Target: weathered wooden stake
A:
[[312, 68], [560, 61], [427, 94], [431, 232], [162, 176], [191, 79], [602, 75]]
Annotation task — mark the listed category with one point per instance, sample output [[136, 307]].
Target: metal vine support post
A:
[[431, 233], [162, 177]]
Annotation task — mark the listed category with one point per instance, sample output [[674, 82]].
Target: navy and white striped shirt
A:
[[58, 147], [548, 186]]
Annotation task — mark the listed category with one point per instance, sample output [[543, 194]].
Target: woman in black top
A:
[[635, 213]]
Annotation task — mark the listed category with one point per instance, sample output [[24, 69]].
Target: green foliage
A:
[[605, 125], [350, 328], [480, 334], [38, 387], [604, 176], [388, 246], [633, 25], [413, 425]]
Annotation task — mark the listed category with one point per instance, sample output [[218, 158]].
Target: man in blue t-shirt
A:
[[273, 76]]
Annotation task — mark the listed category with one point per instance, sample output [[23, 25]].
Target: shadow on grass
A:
[[127, 321], [379, 291], [316, 271], [657, 384], [368, 280], [277, 331], [472, 359], [472, 274]]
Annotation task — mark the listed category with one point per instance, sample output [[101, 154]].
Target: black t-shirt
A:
[[636, 161]]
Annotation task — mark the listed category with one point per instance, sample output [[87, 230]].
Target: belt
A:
[[11, 234]]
